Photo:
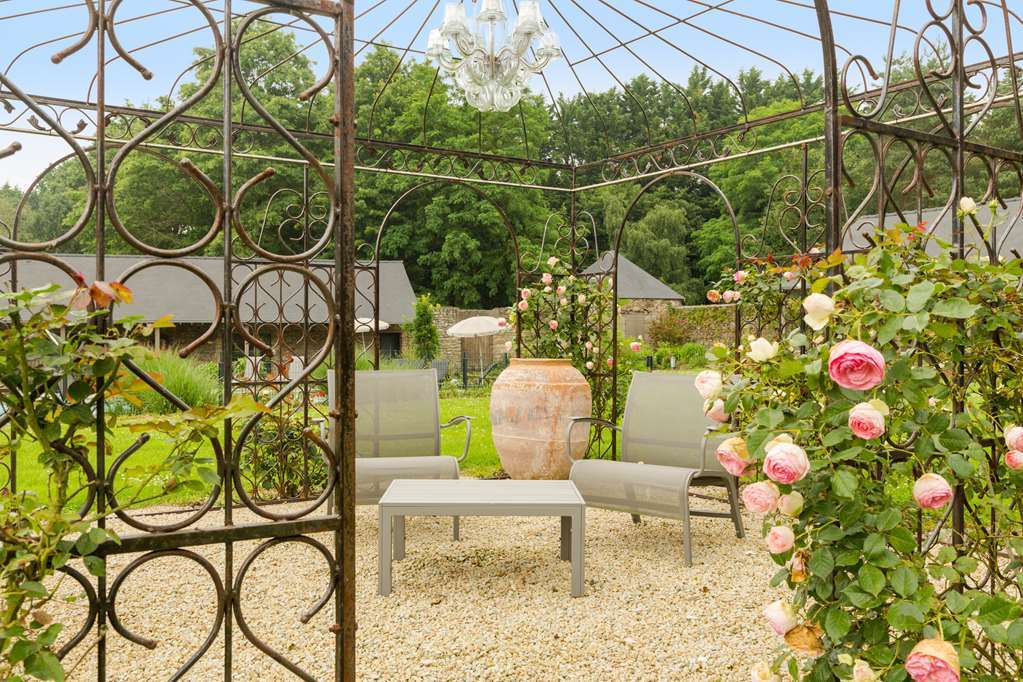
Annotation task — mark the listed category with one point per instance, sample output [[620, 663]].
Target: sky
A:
[[692, 34]]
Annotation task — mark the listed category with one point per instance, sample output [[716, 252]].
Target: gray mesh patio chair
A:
[[397, 432], [665, 450]]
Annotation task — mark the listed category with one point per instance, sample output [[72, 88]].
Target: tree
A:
[[425, 339]]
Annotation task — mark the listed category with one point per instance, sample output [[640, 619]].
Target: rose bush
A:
[[897, 401]]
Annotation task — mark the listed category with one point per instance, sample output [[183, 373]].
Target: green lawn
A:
[[482, 460]]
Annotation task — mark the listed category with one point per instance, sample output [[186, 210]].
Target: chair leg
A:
[[636, 519], [455, 534], [733, 502], [687, 539]]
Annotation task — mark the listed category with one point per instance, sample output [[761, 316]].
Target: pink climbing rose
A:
[[933, 660], [547, 278], [716, 411], [526, 293], [761, 497], [780, 539], [740, 276], [553, 324], [780, 616], [733, 456], [1014, 437], [523, 305], [856, 365], [1014, 460], [866, 421], [635, 346], [786, 463], [932, 491]]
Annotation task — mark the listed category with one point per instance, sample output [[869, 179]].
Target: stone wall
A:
[[451, 349], [708, 324]]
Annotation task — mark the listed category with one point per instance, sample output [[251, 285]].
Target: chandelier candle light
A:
[[491, 67]]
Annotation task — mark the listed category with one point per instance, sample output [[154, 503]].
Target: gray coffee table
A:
[[467, 497]]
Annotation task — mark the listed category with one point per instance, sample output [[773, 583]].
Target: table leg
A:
[[384, 554], [399, 538], [566, 538], [578, 550]]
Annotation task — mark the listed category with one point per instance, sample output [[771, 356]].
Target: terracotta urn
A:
[[530, 407]]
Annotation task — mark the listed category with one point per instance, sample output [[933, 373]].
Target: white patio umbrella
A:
[[366, 325], [474, 328]]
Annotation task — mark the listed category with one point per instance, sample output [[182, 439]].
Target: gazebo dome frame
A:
[[905, 126]]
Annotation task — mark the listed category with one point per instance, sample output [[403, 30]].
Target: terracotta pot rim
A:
[[541, 361]]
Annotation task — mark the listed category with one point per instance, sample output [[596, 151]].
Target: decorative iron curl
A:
[[218, 585], [303, 618], [293, 382]]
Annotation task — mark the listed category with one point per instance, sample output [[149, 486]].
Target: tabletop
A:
[[479, 492]]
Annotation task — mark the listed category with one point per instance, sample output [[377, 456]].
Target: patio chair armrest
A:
[[579, 420], [468, 433]]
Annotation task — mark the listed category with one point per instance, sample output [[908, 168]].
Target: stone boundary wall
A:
[[492, 347], [709, 324]]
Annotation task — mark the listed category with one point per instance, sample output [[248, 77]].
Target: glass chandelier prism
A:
[[490, 66]]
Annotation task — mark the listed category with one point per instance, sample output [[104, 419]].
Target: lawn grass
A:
[[482, 460]]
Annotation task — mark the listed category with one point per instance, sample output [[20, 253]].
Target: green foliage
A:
[[195, 382], [280, 461], [690, 355], [59, 355], [948, 332], [671, 327], [425, 339]]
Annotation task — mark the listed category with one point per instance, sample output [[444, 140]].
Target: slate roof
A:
[[163, 290], [633, 281]]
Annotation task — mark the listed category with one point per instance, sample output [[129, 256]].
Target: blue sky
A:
[[585, 27]]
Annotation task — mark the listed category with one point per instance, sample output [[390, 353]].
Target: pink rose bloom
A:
[[547, 278], [761, 497], [780, 616], [933, 660], [708, 384], [789, 275], [856, 365], [931, 491], [786, 463], [526, 293], [740, 276], [866, 421], [635, 346], [502, 323], [547, 290], [736, 295], [714, 296], [1014, 437], [1014, 460], [553, 324], [589, 364], [733, 456], [716, 411], [728, 296], [563, 301], [610, 362], [780, 539], [523, 305], [560, 291], [552, 261], [589, 345]]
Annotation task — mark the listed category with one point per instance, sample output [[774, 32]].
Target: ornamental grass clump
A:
[[903, 376]]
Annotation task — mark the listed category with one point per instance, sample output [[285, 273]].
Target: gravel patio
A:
[[494, 606]]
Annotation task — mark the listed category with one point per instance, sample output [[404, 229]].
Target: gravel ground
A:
[[494, 606]]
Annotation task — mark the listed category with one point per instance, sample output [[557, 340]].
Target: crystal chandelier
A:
[[491, 67]]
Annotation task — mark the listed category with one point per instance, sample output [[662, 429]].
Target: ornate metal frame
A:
[[905, 125]]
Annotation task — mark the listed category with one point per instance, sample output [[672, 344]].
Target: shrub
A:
[[425, 339], [197, 383], [670, 328]]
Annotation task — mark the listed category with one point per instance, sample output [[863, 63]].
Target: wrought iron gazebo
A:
[[916, 143]]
